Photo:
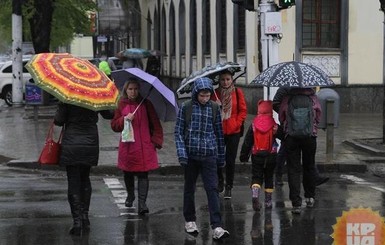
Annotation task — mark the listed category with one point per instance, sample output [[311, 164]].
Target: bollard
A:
[[329, 130]]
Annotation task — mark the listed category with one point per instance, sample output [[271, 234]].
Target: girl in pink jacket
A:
[[139, 157]]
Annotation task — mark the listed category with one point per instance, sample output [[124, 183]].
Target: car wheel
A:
[[8, 95]]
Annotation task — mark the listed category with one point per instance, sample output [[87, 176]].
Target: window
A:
[[206, 27], [321, 23], [239, 25], [222, 24]]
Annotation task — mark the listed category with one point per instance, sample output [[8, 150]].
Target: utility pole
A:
[[17, 55], [382, 8]]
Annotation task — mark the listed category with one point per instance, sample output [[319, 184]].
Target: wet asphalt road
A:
[[34, 210]]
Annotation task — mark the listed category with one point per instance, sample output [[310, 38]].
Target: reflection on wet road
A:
[[34, 210]]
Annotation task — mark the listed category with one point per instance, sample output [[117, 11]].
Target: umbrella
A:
[[293, 74], [210, 71], [73, 80], [151, 88], [136, 53]]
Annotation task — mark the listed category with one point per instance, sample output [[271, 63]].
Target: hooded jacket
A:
[[205, 138]]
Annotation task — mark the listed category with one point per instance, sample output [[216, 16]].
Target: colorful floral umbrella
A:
[[73, 80]]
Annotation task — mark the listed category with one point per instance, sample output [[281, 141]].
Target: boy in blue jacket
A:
[[201, 150]]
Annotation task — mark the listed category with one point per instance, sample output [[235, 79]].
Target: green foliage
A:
[[69, 17]]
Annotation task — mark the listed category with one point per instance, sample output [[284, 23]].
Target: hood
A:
[[201, 84], [265, 107]]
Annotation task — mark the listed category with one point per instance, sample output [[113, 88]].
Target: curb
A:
[[369, 145], [172, 170]]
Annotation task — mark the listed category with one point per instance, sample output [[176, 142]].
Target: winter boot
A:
[[76, 211], [255, 190], [130, 187], [86, 199], [268, 198], [142, 195]]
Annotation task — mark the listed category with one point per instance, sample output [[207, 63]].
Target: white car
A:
[[6, 80]]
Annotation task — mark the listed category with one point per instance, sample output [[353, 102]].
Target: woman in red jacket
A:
[[139, 157], [233, 114]]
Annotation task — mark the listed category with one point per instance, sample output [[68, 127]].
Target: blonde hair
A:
[[125, 86]]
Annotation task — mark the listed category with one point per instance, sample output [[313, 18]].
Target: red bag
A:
[[50, 154]]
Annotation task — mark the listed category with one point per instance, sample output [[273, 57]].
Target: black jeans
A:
[[262, 169], [295, 147], [231, 144], [78, 177]]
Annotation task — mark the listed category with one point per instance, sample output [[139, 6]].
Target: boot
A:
[[86, 206], [76, 211], [142, 195], [130, 188], [268, 199], [255, 190]]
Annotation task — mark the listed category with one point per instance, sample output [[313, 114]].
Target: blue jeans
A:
[[207, 167]]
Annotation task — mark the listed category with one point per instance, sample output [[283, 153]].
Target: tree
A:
[[49, 24]]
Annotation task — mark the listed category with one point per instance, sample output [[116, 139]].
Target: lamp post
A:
[[17, 64], [382, 8]]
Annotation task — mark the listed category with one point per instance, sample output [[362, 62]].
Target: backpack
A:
[[188, 105], [263, 142], [300, 116]]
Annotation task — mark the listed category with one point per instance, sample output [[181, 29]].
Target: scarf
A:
[[227, 101]]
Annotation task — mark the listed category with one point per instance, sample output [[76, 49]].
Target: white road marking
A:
[[360, 181], [119, 195]]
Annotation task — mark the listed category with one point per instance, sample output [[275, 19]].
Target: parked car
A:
[[6, 80]]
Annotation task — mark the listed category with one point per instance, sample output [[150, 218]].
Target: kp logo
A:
[[359, 226]]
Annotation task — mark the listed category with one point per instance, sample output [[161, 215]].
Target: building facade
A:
[[343, 37]]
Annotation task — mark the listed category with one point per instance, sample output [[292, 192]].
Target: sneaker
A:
[[191, 227], [227, 192], [296, 210], [219, 233], [310, 202]]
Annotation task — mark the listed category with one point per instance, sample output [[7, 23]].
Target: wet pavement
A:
[[22, 138], [34, 210]]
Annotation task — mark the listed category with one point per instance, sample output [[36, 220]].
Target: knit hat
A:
[[265, 107]]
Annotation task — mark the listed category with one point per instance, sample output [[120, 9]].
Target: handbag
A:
[[50, 154]]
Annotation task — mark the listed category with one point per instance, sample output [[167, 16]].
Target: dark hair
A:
[[125, 86], [226, 72]]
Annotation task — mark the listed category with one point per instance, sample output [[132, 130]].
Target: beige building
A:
[[343, 37]]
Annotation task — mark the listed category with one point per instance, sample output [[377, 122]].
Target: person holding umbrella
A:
[[138, 156], [79, 152], [233, 113]]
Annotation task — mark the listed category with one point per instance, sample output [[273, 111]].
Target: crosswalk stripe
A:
[[360, 181]]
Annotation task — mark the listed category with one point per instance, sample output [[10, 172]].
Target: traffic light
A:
[[286, 3], [247, 4]]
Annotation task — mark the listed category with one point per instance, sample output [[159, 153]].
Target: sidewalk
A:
[[22, 138]]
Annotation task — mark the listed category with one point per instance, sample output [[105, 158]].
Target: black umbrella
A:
[[293, 74]]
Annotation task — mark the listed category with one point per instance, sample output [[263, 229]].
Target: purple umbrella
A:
[[151, 88]]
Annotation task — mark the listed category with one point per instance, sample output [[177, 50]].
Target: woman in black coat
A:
[[79, 152]]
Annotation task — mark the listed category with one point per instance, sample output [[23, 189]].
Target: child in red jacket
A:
[[261, 144]]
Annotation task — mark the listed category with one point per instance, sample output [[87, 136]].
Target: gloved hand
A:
[[183, 161]]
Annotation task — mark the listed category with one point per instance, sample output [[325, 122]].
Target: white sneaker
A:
[[219, 233], [191, 227], [310, 202]]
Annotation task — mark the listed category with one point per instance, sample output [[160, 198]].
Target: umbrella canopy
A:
[[293, 74], [73, 80], [151, 88], [208, 71], [136, 53]]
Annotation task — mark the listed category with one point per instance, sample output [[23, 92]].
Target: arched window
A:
[[172, 29], [156, 24], [206, 30], [221, 26], [182, 28], [239, 28], [193, 27], [163, 32], [149, 24]]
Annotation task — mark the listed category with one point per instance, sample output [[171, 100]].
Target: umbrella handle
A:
[[141, 102]]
